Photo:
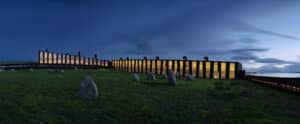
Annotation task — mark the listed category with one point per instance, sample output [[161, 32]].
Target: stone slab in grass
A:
[[135, 77], [165, 76], [190, 77], [171, 77], [151, 76], [88, 88]]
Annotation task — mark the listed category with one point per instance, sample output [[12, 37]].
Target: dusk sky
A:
[[264, 35]]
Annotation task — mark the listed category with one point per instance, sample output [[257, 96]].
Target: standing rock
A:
[[31, 70], [151, 76], [88, 88], [12, 69], [190, 77], [75, 68], [177, 74], [62, 70], [50, 70], [135, 77], [165, 76], [171, 77]]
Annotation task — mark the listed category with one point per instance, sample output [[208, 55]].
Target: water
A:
[[285, 75]]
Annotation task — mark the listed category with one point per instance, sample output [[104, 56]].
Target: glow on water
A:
[[287, 75]]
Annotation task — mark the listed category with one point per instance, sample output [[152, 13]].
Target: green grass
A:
[[30, 97]]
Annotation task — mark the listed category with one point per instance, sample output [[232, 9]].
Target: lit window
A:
[[187, 68], [216, 71], [194, 68], [207, 67], [181, 67], [158, 66], [175, 67], [223, 70], [232, 71], [153, 65], [200, 68]]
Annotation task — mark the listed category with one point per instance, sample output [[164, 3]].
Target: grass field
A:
[[49, 98]]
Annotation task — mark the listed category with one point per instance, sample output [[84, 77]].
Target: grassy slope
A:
[[30, 97]]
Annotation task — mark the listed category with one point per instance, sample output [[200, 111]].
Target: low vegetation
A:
[[49, 98]]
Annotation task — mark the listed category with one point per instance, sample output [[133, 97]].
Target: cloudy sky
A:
[[262, 34]]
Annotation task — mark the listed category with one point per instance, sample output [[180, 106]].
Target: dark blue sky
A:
[[262, 34]]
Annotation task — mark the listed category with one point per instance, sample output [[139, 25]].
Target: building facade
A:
[[197, 68]]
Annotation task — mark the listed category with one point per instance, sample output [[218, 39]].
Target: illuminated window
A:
[[140, 65], [46, 58], [50, 58], [106, 64], [81, 60], [136, 65], [129, 65], [194, 68], [181, 68], [170, 64], [164, 66], [144, 66], [223, 70], [207, 67], [58, 58], [72, 60], [232, 71], [118, 65], [153, 65], [148, 66], [86, 61], [126, 65], [54, 58], [41, 54], [216, 71], [121, 65], [91, 61], [200, 74], [175, 67], [77, 60], [187, 67], [158, 66], [63, 60]]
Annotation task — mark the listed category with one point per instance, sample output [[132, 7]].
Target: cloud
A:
[[293, 68], [251, 50], [271, 60], [244, 57], [253, 29]]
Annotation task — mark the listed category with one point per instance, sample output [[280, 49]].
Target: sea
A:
[[284, 75]]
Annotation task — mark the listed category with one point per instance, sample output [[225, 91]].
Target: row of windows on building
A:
[[46, 57], [201, 69]]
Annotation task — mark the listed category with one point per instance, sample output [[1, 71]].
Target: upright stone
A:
[[31, 70], [190, 77], [165, 76], [135, 77], [75, 68], [62, 70], [171, 77], [88, 88], [177, 74], [151, 76]]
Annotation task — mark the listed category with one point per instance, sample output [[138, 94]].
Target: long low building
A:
[[53, 58], [197, 68]]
